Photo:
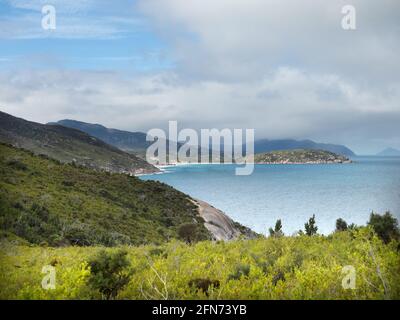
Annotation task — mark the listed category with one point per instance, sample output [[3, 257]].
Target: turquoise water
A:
[[294, 192]]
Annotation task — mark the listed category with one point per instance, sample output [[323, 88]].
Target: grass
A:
[[300, 267]]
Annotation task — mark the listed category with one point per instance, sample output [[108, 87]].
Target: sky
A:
[[285, 68]]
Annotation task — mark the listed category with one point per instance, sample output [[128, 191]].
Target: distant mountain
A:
[[132, 142], [69, 145], [389, 152], [135, 142], [266, 145], [124, 140]]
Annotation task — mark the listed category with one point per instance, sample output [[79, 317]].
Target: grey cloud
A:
[[285, 68], [143, 102], [230, 40]]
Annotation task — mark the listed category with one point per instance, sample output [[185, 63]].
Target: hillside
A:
[[266, 145], [389, 152], [299, 156], [69, 145], [124, 140], [43, 200]]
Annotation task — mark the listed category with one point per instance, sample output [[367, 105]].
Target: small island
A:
[[299, 156]]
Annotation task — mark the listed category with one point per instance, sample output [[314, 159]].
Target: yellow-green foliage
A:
[[299, 267]]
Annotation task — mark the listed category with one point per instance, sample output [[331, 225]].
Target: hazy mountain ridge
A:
[[124, 140], [265, 145], [389, 152], [69, 145], [136, 141]]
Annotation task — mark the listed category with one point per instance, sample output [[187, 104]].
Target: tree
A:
[[310, 227], [277, 231], [109, 273], [341, 225], [385, 226], [188, 232]]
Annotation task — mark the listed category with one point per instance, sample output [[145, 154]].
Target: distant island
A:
[[265, 145], [299, 156], [389, 152]]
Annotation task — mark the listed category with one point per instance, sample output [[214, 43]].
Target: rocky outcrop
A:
[[220, 225]]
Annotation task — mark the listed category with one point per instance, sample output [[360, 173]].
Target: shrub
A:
[[279, 276], [188, 232], [341, 225], [310, 227], [277, 231], [203, 284], [385, 226], [17, 164], [109, 273], [241, 270], [68, 183]]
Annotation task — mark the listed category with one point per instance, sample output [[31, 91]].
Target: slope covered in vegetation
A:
[[69, 145], [43, 200], [301, 267]]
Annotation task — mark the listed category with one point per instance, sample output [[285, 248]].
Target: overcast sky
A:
[[286, 68]]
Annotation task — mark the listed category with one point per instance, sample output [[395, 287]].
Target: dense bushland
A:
[[298, 267], [46, 202]]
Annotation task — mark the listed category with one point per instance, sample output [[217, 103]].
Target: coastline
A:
[[163, 168]]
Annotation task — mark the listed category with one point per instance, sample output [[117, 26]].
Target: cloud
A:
[[232, 40], [283, 67], [300, 106]]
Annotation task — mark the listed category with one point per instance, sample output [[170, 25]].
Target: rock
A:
[[220, 225]]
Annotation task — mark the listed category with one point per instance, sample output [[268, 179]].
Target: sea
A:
[[293, 192]]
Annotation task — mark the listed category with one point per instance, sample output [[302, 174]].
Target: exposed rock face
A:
[[220, 225]]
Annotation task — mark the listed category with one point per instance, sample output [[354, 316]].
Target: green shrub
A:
[[109, 273], [341, 225], [17, 164], [279, 276], [310, 227], [241, 270], [277, 231], [204, 284], [385, 226], [190, 232]]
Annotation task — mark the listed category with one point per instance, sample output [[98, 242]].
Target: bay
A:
[[293, 193]]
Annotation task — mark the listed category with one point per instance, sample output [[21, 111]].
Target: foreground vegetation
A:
[[300, 267]]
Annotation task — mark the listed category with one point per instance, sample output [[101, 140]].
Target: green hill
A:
[[299, 156], [69, 145], [43, 200], [133, 142]]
